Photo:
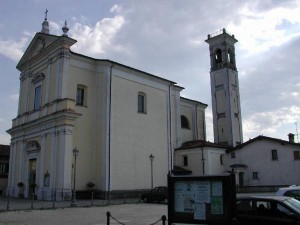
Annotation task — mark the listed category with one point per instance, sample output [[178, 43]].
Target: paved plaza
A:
[[16, 211], [131, 214]]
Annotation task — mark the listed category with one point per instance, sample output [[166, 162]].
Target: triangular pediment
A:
[[39, 44]]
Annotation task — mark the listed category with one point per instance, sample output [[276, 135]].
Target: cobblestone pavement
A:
[[14, 211]]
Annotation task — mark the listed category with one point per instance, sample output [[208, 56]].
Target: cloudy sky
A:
[[167, 38]]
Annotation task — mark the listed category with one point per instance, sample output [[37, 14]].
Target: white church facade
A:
[[116, 116]]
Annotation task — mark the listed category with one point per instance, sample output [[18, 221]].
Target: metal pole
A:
[[108, 218], [7, 207], [32, 199], [163, 219], [151, 157], [151, 174], [73, 204]]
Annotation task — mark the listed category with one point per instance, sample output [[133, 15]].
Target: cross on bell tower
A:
[[227, 121]]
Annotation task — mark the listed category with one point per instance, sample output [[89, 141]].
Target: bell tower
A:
[[227, 121]]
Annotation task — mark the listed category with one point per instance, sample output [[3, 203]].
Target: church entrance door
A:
[[241, 179], [32, 176]]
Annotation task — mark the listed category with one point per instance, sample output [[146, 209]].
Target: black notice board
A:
[[203, 199]]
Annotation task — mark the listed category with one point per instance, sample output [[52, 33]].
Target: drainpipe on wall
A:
[[170, 133], [203, 161], [196, 111], [109, 129]]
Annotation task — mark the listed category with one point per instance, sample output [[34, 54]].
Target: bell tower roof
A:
[[222, 51]]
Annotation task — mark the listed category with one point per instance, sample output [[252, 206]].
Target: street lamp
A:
[[75, 154], [151, 157]]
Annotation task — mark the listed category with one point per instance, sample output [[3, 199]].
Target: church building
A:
[[94, 121], [84, 122]]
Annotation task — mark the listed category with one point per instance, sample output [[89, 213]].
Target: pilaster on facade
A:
[[62, 73], [65, 158], [11, 172], [41, 165], [53, 149]]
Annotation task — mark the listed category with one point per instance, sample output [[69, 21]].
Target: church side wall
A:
[[187, 111], [84, 137], [134, 136]]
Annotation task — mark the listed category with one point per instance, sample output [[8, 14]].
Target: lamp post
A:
[[75, 154], [151, 157]]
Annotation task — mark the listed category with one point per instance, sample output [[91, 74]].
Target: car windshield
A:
[[294, 204]]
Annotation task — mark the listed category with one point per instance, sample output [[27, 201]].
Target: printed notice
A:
[[216, 205], [216, 188], [202, 192], [200, 213], [184, 197], [179, 196]]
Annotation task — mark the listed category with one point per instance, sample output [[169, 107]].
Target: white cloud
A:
[[116, 8], [93, 40], [268, 123], [13, 49], [259, 31]]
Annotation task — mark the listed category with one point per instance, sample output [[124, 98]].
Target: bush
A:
[[90, 184]]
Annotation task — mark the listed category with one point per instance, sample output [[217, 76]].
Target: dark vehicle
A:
[[267, 210], [157, 194]]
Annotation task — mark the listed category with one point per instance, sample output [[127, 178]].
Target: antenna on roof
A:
[[297, 135]]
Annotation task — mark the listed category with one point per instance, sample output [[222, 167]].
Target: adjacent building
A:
[[265, 161], [4, 167]]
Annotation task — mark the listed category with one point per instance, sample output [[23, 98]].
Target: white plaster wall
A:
[[187, 111], [134, 136], [257, 157], [195, 113], [210, 157], [87, 132]]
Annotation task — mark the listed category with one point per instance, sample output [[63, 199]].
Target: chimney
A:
[[291, 138]]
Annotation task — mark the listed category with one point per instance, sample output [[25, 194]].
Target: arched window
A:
[[230, 57], [37, 82], [218, 55], [185, 122]]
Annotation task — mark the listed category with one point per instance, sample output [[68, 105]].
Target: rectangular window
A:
[[141, 103], [232, 155], [296, 155], [4, 169], [80, 96], [255, 175], [274, 155], [221, 159], [185, 160], [37, 97]]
